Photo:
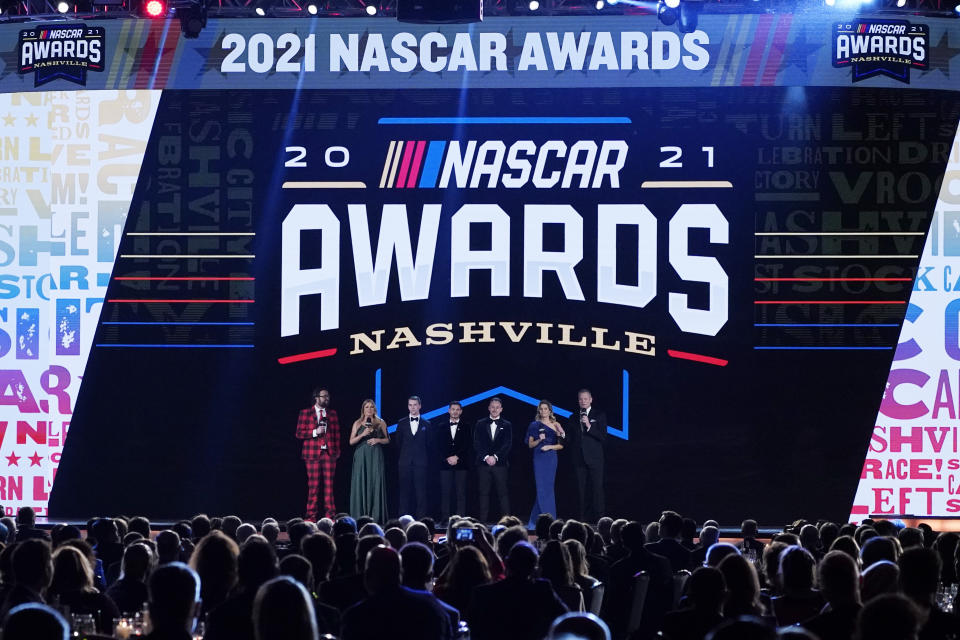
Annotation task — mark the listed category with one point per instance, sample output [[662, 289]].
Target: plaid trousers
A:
[[320, 470]]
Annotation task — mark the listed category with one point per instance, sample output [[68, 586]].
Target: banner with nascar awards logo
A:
[[717, 232]]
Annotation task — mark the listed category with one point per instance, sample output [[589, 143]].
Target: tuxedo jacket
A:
[[499, 446], [313, 447], [445, 446], [586, 447], [415, 450]]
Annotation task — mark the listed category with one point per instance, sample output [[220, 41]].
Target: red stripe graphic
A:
[[859, 510], [776, 50], [696, 357], [167, 55], [148, 54], [415, 169], [757, 48], [405, 165], [300, 357]]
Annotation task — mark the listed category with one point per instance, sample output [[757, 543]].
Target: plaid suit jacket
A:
[[307, 422]]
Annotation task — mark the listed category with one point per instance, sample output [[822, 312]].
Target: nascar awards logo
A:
[[881, 47], [65, 51]]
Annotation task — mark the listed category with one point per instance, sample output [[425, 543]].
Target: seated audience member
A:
[[509, 537], [744, 628], [395, 536], [244, 532], [391, 610], [919, 578], [283, 609], [34, 621], [215, 561], [575, 530], [139, 525], [771, 570], [578, 626], [799, 600], [618, 598], [556, 568], [709, 536], [669, 545], [615, 551], [300, 569], [580, 567], [749, 532], [848, 545], [910, 537], [705, 594], [419, 532], [416, 569], [688, 531], [828, 533], [652, 532], [344, 592], [32, 573], [320, 549], [876, 549], [466, 570], [890, 616], [519, 607], [839, 580], [271, 531], [556, 528], [717, 552], [743, 588], [604, 525], [129, 593], [174, 602], [168, 547], [541, 529], [233, 620], [229, 526], [945, 545], [26, 526], [72, 586], [200, 527], [879, 578], [810, 540]]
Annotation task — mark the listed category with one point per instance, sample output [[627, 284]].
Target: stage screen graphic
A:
[[727, 268]]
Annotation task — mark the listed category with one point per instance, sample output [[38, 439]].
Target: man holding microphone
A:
[[319, 429], [586, 430]]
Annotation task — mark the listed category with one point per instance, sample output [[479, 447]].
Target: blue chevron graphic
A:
[[623, 433]]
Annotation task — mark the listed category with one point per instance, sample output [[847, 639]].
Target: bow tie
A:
[[414, 419], [453, 424]]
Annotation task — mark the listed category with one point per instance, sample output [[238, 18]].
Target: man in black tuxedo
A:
[[492, 439], [586, 430], [413, 439], [453, 450]]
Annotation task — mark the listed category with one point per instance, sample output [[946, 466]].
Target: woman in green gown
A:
[[368, 486]]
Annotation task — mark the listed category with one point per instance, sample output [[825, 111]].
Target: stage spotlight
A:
[[901, 3], [193, 19], [689, 16], [312, 9], [672, 4], [534, 5], [600, 5], [371, 10], [154, 8], [63, 7], [666, 15], [830, 3]]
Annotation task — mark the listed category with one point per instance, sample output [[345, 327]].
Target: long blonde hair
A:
[[549, 404], [376, 418]]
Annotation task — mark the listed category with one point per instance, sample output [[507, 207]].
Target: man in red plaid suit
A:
[[319, 429]]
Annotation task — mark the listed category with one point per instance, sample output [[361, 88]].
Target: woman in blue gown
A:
[[545, 436]]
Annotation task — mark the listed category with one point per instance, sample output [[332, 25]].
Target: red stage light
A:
[[155, 8]]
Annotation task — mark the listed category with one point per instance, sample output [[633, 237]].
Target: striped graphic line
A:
[[831, 255], [511, 120], [417, 160], [734, 67], [212, 324], [757, 48], [822, 324], [187, 255], [776, 52], [728, 35], [178, 346], [405, 166], [386, 164], [393, 165]]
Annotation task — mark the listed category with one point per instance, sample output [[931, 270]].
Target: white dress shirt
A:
[[414, 424]]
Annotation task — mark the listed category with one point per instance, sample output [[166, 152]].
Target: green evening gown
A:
[[368, 487]]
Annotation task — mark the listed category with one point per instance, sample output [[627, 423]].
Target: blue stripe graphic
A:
[[431, 166]]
